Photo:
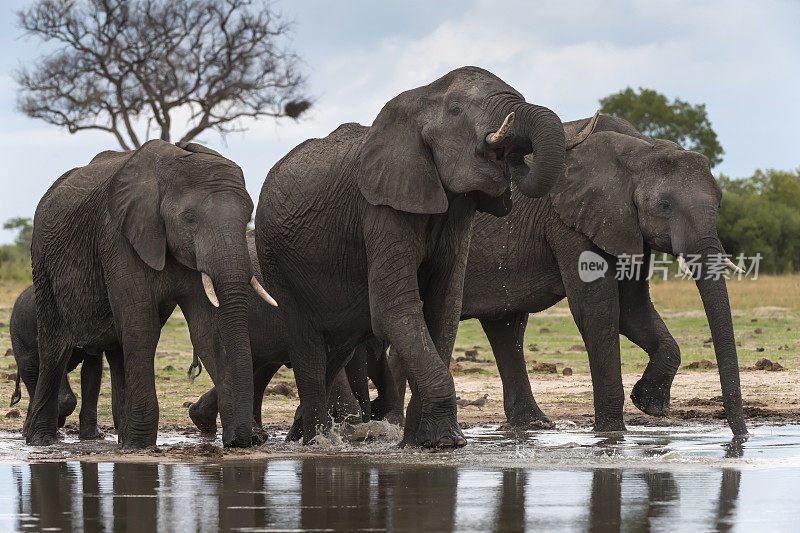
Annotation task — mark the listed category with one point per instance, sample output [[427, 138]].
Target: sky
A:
[[740, 58]]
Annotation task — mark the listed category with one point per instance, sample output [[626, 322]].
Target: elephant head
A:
[[190, 203], [467, 132], [626, 191]]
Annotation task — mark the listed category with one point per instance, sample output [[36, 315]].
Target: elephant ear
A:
[[595, 195], [498, 206], [396, 165], [134, 202]]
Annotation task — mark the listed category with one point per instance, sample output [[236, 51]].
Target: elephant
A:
[[366, 232], [622, 194], [115, 244]]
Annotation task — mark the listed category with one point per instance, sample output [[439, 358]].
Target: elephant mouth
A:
[[497, 156]]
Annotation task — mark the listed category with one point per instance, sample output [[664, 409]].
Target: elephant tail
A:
[[195, 364], [17, 395]]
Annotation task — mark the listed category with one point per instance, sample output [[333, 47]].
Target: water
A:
[[681, 478]]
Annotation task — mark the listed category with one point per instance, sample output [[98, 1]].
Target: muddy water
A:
[[690, 478]]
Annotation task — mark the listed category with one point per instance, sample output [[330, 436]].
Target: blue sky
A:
[[740, 58]]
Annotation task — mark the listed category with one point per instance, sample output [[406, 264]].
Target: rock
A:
[[578, 347], [187, 404], [544, 330], [3, 324], [757, 330], [282, 389], [471, 353], [10, 376], [753, 320], [165, 378], [760, 349], [567, 371], [533, 348], [9, 353], [777, 367], [703, 364], [169, 368], [547, 368], [13, 413]]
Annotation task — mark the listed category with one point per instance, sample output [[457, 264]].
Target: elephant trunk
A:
[[714, 294], [231, 275], [536, 173]]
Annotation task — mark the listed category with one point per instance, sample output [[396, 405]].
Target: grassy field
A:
[[766, 318]]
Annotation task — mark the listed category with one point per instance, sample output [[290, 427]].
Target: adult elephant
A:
[[622, 194], [117, 241], [369, 230]]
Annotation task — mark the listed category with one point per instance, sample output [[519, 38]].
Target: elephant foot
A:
[[605, 425], [62, 420], [205, 422], [529, 418], [436, 432], [380, 410], [239, 438], [91, 433], [138, 442], [40, 439], [296, 431], [651, 397]]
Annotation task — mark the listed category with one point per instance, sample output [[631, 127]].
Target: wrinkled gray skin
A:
[[369, 229], [22, 328], [622, 193], [115, 242]]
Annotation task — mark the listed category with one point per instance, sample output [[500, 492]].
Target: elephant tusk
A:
[[262, 292], [572, 142], [499, 135], [208, 286], [682, 266], [733, 266]]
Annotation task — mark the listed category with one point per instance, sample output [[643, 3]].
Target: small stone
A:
[[3, 324], [702, 364], [544, 330], [777, 367], [10, 376], [757, 330], [187, 404], [533, 348], [567, 371], [471, 353], [169, 368], [13, 413], [578, 348], [760, 349], [753, 320], [281, 389]]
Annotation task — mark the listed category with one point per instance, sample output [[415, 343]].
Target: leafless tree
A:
[[132, 67]]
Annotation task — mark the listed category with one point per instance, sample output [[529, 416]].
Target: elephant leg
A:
[[505, 336], [261, 378], [115, 365], [398, 380], [67, 401], [204, 412], [641, 323], [308, 358], [381, 376], [342, 403], [42, 423], [91, 378], [356, 371], [595, 308]]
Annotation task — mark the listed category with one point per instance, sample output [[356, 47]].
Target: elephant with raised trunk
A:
[[622, 194], [369, 230], [117, 242]]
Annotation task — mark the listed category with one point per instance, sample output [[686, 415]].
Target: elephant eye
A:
[[664, 205], [454, 109], [189, 217]]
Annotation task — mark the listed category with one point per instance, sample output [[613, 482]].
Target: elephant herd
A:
[[461, 200]]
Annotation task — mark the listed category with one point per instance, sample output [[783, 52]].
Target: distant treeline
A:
[[759, 214]]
